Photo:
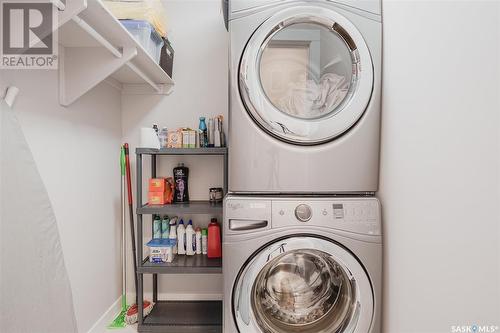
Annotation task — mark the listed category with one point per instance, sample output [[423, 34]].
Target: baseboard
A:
[[108, 316]]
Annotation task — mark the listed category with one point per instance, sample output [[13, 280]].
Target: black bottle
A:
[[181, 193]]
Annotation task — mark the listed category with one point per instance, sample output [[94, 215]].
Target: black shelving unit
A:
[[177, 316]]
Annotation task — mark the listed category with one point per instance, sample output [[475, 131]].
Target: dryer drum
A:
[[303, 291]]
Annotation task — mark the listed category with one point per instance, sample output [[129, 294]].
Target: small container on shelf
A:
[[216, 194], [161, 250]]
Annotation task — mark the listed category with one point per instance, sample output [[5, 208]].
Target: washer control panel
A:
[[358, 215]]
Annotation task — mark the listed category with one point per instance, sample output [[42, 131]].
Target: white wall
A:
[[77, 153], [198, 36], [440, 185]]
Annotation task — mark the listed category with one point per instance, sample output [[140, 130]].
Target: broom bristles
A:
[[132, 315]]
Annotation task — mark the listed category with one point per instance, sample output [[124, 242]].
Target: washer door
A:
[[306, 75], [303, 284]]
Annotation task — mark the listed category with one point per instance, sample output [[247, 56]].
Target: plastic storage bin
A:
[[146, 35]]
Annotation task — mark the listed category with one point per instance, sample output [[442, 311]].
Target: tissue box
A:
[[161, 250]]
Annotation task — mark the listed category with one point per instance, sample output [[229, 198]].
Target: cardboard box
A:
[[157, 185], [157, 198], [185, 138], [192, 139], [174, 139]]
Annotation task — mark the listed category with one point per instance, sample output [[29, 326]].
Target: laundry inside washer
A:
[[303, 290]]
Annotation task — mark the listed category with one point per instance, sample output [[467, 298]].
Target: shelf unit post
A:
[[139, 290], [155, 276], [225, 162]]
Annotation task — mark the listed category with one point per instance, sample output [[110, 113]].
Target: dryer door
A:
[[303, 284], [306, 75]]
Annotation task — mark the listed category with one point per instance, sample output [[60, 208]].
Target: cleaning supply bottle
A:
[[211, 130], [190, 239], [173, 233], [181, 174], [198, 240], [181, 238], [204, 240], [165, 227], [203, 133], [214, 240], [157, 227]]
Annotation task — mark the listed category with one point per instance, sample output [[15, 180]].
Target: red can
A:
[[214, 240]]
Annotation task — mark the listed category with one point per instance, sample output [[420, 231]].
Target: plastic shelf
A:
[[183, 264], [192, 207], [184, 317], [182, 151]]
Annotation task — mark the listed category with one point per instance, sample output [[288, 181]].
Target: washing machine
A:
[[305, 86], [308, 265]]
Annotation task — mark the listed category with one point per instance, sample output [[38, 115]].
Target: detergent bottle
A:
[[190, 239], [181, 238], [214, 240]]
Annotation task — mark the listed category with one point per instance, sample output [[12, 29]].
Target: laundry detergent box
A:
[[161, 250]]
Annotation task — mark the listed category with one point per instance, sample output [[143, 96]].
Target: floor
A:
[[127, 329]]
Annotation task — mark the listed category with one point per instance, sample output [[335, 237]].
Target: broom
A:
[[119, 321], [132, 314]]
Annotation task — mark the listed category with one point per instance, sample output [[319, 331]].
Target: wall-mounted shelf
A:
[[94, 46]]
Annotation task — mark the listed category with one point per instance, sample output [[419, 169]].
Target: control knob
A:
[[303, 212]]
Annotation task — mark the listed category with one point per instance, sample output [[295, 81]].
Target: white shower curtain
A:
[[35, 293]]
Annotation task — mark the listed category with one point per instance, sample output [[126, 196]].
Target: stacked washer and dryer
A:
[[302, 229]]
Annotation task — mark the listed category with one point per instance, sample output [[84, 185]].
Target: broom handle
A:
[[124, 239], [131, 213]]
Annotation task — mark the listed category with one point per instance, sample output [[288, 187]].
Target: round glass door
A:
[[302, 284], [306, 75]]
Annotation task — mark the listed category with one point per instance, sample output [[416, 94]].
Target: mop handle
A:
[[124, 238], [131, 212]]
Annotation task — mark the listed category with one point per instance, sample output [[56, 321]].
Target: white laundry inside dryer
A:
[[306, 71]]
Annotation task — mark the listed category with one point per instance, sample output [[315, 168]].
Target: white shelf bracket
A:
[[144, 77], [97, 36], [81, 69]]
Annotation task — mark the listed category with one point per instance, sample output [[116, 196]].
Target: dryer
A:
[[303, 265], [305, 82]]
